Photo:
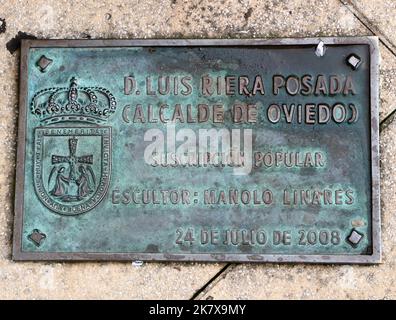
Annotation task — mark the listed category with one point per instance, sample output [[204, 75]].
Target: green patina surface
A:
[[112, 226]]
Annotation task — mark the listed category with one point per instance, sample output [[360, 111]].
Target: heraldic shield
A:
[[72, 159]]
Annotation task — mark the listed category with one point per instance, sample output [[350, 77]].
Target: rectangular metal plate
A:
[[198, 150]]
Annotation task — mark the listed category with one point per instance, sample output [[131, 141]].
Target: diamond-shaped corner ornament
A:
[[355, 237], [43, 63], [354, 61], [37, 237], [85, 166]]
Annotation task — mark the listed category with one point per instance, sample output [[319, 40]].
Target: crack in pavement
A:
[[387, 121], [213, 281]]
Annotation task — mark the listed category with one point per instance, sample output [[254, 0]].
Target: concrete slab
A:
[[387, 82]]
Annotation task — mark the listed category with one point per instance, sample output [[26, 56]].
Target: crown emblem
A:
[[87, 104]]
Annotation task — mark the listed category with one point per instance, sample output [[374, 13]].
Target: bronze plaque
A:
[[211, 150]]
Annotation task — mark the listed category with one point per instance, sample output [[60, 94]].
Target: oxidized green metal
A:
[[213, 150]]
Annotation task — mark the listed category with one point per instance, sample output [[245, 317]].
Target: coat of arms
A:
[[72, 156]]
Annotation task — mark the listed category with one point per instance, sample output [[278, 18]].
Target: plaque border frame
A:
[[373, 258]]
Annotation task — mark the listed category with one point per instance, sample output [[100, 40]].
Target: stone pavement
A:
[[196, 19]]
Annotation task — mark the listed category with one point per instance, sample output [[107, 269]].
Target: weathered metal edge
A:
[[20, 156], [375, 257]]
